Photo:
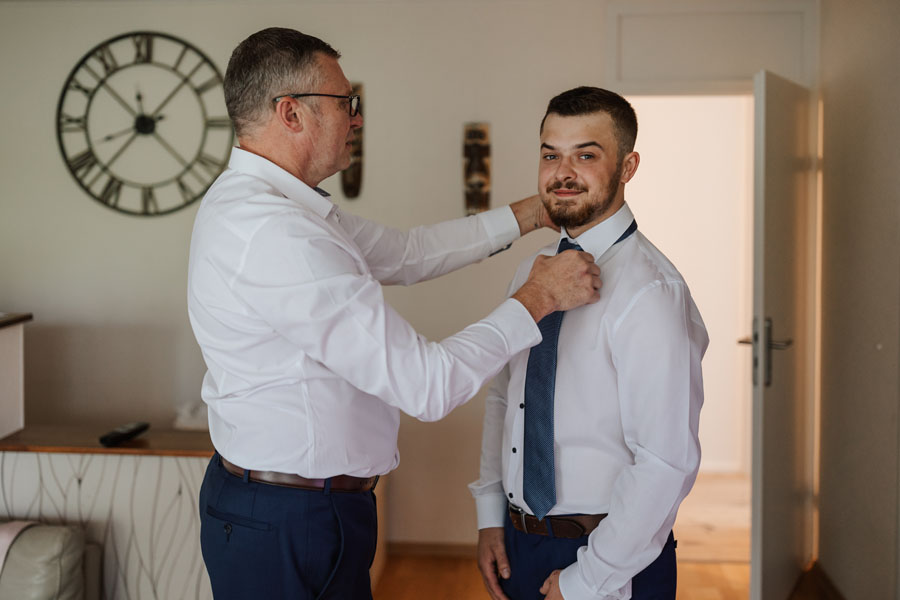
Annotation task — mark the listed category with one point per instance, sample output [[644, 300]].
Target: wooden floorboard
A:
[[713, 581], [713, 522], [437, 578], [713, 532]]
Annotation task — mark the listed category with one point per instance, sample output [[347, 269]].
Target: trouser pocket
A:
[[234, 547]]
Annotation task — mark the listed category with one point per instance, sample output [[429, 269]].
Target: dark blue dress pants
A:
[[533, 557], [266, 541]]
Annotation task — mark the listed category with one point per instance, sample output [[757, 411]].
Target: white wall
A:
[[692, 196], [859, 542], [111, 340]]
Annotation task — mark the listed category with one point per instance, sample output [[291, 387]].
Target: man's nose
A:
[[356, 121], [565, 172]]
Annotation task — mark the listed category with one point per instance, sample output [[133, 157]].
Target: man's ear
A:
[[291, 115], [629, 166]]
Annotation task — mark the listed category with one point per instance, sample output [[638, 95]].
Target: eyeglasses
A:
[[353, 100]]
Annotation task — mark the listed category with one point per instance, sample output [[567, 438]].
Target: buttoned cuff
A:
[[573, 586], [501, 226], [516, 325], [491, 509]]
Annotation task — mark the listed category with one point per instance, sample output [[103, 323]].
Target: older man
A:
[[308, 367], [590, 438]]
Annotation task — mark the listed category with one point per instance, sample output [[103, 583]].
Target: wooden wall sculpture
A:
[[477, 167], [351, 177]]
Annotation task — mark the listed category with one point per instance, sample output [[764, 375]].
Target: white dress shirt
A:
[[626, 412], [308, 367]]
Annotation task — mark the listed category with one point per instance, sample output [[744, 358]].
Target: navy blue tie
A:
[[539, 476]]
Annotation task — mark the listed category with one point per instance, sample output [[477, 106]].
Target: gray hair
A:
[[270, 63]]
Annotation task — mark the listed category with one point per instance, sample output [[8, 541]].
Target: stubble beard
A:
[[595, 205]]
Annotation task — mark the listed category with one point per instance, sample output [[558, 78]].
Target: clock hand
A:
[[112, 136], [139, 99], [183, 81], [134, 133], [121, 149]]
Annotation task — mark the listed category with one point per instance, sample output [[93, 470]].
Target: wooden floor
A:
[[713, 522], [713, 532], [434, 578], [431, 577]]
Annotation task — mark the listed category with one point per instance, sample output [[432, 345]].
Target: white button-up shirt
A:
[[308, 367], [626, 412]]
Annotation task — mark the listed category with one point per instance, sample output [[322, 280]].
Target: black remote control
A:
[[123, 433]]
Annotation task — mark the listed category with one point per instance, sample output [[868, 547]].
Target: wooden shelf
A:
[[84, 439], [9, 319]]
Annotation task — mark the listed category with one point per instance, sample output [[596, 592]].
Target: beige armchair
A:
[[51, 562]]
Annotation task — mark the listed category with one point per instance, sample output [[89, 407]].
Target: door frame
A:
[[630, 22]]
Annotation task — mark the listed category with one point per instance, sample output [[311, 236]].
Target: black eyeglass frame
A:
[[353, 100]]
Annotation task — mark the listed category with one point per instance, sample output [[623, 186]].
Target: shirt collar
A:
[[287, 185], [600, 238]]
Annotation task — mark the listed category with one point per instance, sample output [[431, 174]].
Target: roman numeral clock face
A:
[[142, 125]]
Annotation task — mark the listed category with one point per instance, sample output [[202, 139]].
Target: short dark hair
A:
[[588, 100], [267, 64]]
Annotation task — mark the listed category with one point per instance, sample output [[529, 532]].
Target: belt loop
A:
[[246, 475], [549, 524], [327, 488]]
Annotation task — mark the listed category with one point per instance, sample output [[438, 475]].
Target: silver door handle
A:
[[773, 344], [776, 345]]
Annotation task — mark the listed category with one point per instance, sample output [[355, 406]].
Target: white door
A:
[[779, 469]]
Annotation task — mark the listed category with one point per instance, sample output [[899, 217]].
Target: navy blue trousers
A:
[[266, 541], [533, 557]]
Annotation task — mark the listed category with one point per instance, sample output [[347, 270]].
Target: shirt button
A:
[[510, 494], [514, 450], [522, 405]]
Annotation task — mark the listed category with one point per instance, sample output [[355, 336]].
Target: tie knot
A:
[[567, 244]]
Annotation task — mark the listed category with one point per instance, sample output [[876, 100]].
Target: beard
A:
[[596, 203]]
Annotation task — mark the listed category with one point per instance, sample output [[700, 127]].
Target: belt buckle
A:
[[521, 512]]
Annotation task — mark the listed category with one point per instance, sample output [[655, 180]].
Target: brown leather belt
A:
[[569, 526], [339, 483]]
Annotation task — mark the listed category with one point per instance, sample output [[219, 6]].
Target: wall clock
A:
[[142, 125]]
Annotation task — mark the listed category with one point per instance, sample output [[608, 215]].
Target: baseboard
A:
[[815, 584], [441, 550]]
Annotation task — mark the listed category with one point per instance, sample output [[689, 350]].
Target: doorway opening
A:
[[693, 198]]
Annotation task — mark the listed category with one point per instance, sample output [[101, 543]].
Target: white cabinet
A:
[[12, 372]]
